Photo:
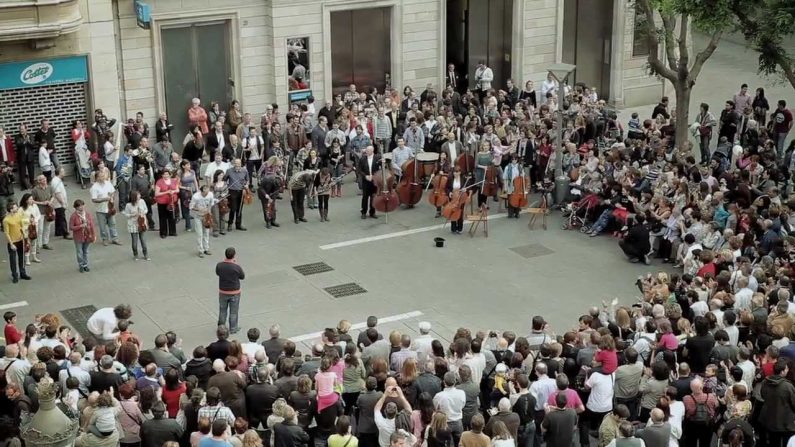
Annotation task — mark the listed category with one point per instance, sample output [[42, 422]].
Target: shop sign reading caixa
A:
[[64, 70]]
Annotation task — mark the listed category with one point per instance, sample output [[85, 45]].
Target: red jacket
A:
[[79, 233], [10, 157]]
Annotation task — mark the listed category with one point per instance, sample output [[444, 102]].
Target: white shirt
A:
[[749, 371], [385, 428], [3, 149], [200, 204], [541, 389], [75, 371], [742, 299], [250, 348], [52, 343], [209, 171], [613, 442], [699, 308], [422, 345], [677, 409], [17, 371], [221, 142], [601, 398], [734, 334], [103, 323], [58, 190], [44, 159], [451, 148], [110, 151], [486, 76], [476, 363], [102, 191], [451, 402]]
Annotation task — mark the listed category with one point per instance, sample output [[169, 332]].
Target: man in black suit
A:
[[636, 245], [217, 140], [452, 79], [394, 116], [26, 156], [163, 128], [368, 164]]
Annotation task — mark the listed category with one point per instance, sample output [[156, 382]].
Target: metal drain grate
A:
[[342, 290], [78, 317], [532, 251], [312, 269]]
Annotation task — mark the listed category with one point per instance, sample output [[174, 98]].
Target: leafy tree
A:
[[667, 28], [766, 24]]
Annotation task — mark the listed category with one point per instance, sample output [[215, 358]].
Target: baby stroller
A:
[[83, 165], [579, 213]]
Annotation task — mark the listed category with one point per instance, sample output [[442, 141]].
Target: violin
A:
[[455, 207], [111, 208], [518, 198], [386, 199], [439, 195], [410, 190], [489, 187]]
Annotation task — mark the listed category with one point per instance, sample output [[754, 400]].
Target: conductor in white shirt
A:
[[104, 322], [483, 78]]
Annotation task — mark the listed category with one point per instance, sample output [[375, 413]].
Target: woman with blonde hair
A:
[[251, 439], [279, 410], [500, 436], [342, 330], [437, 433]]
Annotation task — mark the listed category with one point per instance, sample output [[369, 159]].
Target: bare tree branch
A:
[[684, 52], [669, 25], [702, 56], [654, 46]]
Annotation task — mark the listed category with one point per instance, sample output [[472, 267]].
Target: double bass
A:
[[466, 162], [490, 182], [385, 199], [409, 190]]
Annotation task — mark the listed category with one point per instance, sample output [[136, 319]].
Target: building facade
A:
[[154, 56]]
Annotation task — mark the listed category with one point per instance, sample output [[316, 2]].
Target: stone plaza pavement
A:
[[498, 282]]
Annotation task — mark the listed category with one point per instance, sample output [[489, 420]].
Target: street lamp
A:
[[560, 72]]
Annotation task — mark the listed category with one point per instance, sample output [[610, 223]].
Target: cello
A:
[[490, 182], [518, 198], [409, 190], [455, 207], [438, 197], [466, 162], [385, 199]]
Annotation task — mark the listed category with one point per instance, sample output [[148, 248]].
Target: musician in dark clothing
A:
[[458, 183], [729, 119], [369, 163], [298, 185], [636, 244], [269, 186], [27, 154]]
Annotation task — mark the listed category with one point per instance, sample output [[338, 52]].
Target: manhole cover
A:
[[312, 269], [342, 290], [532, 251], [78, 317]]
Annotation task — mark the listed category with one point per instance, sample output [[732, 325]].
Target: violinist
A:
[[368, 165], [400, 155], [452, 147], [512, 171], [269, 184], [313, 163], [458, 184]]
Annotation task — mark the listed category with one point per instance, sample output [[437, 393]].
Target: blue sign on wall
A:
[[143, 14], [62, 70]]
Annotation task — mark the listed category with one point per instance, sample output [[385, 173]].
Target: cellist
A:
[[458, 183], [443, 167], [512, 171], [483, 160]]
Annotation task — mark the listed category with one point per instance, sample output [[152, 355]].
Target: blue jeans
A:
[[81, 250], [107, 227], [527, 435], [228, 304], [603, 221], [779, 139]]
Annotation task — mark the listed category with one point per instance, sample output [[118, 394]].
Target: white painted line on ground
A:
[[382, 237], [381, 320], [13, 305]]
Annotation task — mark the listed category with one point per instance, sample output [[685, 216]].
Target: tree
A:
[[671, 33], [765, 25]]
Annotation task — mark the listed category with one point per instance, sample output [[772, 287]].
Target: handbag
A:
[[49, 213], [142, 224]]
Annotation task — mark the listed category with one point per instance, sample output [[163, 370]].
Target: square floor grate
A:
[[78, 317], [312, 269], [342, 290], [532, 251]]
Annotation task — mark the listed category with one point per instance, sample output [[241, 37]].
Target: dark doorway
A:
[[360, 48], [587, 42], [480, 30], [196, 64]]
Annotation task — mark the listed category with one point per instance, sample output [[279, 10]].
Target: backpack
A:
[[701, 416]]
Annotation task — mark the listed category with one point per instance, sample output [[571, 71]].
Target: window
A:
[[640, 46]]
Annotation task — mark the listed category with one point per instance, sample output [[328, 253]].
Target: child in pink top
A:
[[324, 384], [606, 360]]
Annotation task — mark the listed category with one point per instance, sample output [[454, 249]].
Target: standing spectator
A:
[[700, 412], [229, 275], [59, 201], [778, 406], [451, 401], [238, 180], [559, 423], [160, 430], [27, 153], [781, 120], [15, 241], [102, 192], [197, 116]]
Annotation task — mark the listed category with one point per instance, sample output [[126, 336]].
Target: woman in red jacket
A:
[[84, 232]]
